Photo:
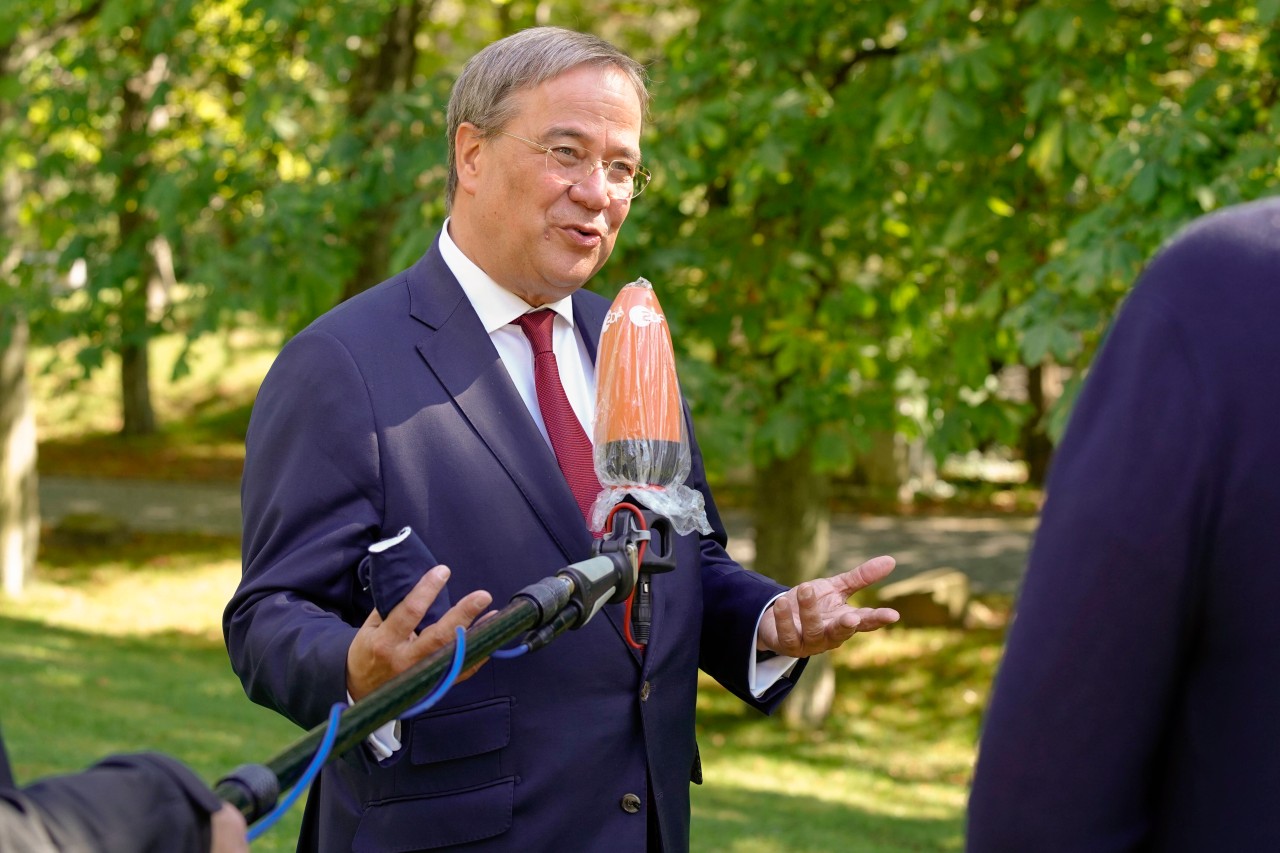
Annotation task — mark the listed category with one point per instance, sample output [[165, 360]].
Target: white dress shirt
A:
[[498, 308]]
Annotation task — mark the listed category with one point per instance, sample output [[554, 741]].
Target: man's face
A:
[[532, 234]]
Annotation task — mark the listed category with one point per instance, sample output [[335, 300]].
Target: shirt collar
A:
[[494, 304]]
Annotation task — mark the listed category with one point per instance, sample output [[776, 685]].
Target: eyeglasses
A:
[[571, 165]]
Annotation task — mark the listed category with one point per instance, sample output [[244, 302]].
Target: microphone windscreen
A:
[[639, 429], [641, 447]]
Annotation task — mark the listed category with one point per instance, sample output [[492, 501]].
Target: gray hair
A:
[[483, 93]]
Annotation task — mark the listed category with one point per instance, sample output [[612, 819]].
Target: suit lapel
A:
[[458, 351], [588, 317]]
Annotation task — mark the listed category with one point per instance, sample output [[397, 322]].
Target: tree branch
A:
[[42, 42], [842, 72]]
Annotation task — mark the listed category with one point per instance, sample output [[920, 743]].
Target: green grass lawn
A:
[[202, 413], [119, 649], [889, 771]]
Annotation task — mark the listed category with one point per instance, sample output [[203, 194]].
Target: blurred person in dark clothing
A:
[[1138, 703], [145, 803]]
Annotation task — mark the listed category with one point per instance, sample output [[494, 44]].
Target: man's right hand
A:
[[384, 648]]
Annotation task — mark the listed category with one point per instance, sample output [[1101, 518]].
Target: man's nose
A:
[[593, 190]]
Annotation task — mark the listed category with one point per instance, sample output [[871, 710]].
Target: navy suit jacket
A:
[[1138, 704], [392, 410]]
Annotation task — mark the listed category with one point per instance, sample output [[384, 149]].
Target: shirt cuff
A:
[[385, 740], [765, 669]]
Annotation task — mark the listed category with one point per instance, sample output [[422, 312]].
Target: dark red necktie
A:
[[570, 442]]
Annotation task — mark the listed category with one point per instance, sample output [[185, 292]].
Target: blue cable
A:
[[331, 734], [514, 652], [459, 652], [322, 754]]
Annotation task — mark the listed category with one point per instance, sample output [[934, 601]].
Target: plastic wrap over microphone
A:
[[639, 432]]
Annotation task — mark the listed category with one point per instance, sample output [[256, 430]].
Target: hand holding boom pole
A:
[[538, 613]]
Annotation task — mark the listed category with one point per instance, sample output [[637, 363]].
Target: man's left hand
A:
[[815, 617]]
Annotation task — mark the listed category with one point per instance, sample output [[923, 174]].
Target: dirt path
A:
[[991, 550]]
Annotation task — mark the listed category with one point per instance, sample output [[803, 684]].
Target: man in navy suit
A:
[[416, 405], [1137, 706]]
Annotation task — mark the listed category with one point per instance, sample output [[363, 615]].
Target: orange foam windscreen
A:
[[639, 423]]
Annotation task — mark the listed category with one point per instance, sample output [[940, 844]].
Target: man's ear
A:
[[468, 145]]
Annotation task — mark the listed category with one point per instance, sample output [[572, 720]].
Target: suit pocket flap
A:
[[425, 823], [461, 732]]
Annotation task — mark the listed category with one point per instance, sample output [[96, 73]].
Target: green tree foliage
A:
[[337, 113], [340, 179], [187, 161], [120, 103], [863, 211], [862, 206]]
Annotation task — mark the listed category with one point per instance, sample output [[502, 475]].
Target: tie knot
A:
[[536, 326]]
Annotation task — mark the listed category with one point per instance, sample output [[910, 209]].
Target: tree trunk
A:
[[389, 69], [135, 238], [19, 507], [793, 544], [1037, 449], [135, 389], [883, 469]]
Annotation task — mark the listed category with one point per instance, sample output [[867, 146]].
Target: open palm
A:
[[816, 617]]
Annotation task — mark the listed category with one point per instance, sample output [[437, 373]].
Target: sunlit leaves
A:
[[899, 114], [845, 191], [1003, 171], [1047, 153], [946, 120]]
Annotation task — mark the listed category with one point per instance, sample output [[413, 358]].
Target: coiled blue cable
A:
[[459, 652], [331, 734], [317, 761]]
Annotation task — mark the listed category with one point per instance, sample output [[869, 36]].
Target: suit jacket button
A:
[[630, 803], [644, 692]]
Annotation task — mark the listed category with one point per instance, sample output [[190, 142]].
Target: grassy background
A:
[[888, 772], [203, 410], [118, 648]]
